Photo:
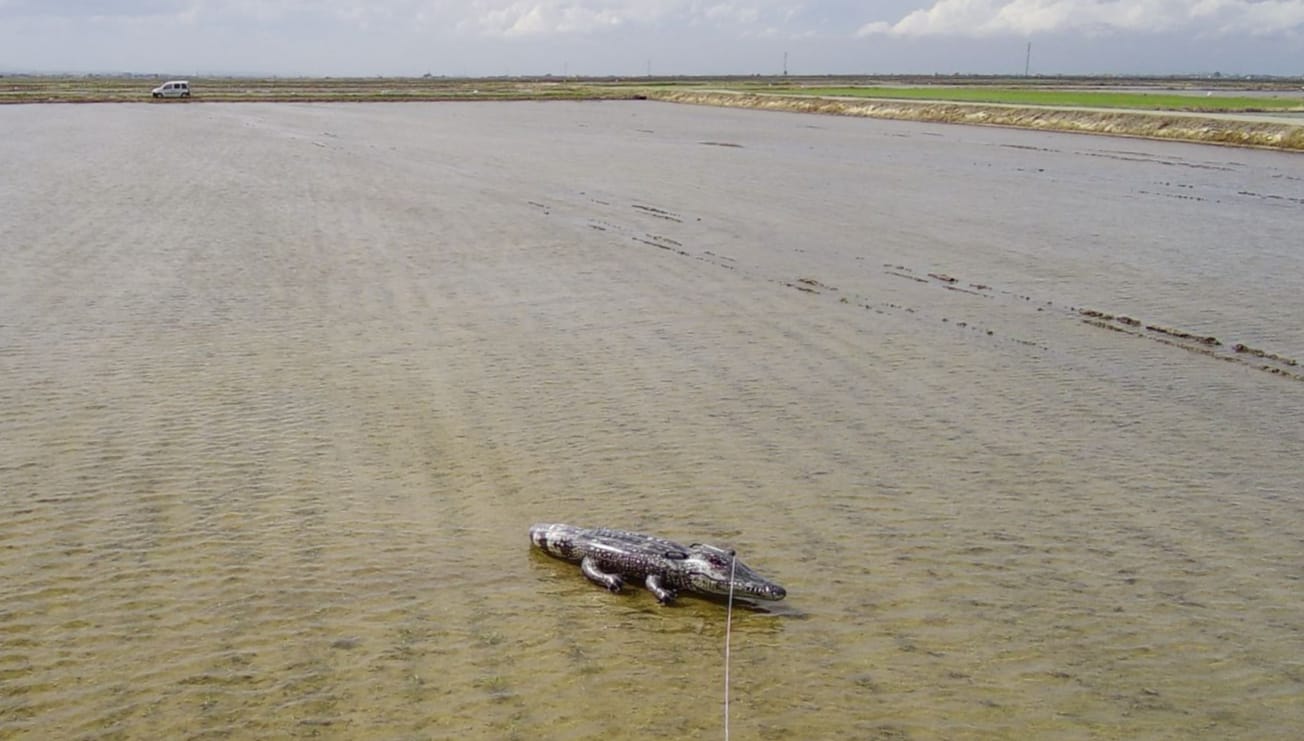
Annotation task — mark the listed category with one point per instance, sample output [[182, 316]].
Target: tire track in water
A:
[[456, 670]]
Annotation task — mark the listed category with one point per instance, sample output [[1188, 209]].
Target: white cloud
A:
[[498, 18], [258, 11], [731, 13], [536, 20], [979, 18], [547, 17], [520, 18]]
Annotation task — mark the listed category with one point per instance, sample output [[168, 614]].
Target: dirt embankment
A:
[[1173, 126]]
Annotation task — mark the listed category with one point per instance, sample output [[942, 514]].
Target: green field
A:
[[1069, 98]]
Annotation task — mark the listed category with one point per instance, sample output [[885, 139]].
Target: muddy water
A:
[[282, 388]]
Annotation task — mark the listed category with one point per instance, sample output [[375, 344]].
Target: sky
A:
[[660, 37]]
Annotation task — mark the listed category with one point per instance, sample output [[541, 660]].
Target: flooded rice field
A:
[[1016, 419]]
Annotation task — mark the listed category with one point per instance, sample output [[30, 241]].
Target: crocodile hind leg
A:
[[664, 596], [613, 582]]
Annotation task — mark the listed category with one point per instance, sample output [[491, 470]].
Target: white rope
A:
[[728, 625]]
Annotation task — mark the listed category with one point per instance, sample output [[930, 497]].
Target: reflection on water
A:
[[273, 425]]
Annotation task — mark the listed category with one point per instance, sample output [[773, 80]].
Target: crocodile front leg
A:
[[613, 582], [664, 596]]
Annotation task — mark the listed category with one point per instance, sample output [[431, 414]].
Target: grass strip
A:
[[1069, 98], [1190, 127]]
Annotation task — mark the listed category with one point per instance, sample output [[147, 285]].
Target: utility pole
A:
[[1027, 60], [785, 64]]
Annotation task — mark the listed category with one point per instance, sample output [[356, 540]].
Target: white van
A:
[[172, 89]]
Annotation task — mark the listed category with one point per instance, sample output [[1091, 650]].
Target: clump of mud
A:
[[1276, 364]]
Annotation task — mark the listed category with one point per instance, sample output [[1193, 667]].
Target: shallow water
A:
[[282, 388]]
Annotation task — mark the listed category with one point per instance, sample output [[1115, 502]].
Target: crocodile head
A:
[[708, 569], [557, 540]]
